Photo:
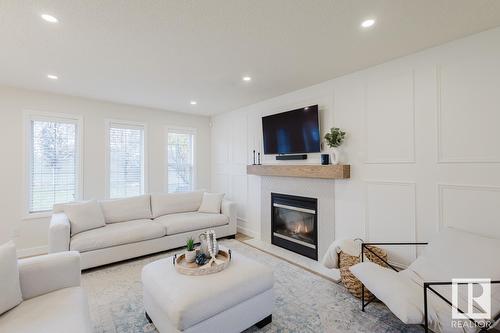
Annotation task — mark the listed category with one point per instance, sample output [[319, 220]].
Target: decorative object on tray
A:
[[334, 139], [201, 259], [209, 243], [349, 280], [190, 250], [214, 265]]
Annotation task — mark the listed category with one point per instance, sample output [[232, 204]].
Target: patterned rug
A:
[[304, 302]]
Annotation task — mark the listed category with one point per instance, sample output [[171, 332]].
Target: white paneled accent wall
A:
[[384, 222], [469, 207], [390, 99], [423, 142]]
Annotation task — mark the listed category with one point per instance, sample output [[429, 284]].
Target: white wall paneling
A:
[[474, 208], [229, 144], [390, 119], [398, 115], [390, 216], [468, 108]]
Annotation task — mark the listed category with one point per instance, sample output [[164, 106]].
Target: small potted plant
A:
[[334, 139], [190, 250]]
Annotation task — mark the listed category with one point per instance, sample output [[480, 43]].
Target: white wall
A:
[[31, 234], [423, 142]]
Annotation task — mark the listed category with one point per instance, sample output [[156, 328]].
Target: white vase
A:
[[336, 155], [190, 256]]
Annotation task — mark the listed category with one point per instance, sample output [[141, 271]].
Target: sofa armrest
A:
[[229, 209], [44, 274], [59, 233]]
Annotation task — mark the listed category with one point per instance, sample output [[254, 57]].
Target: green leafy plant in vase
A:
[[334, 138], [190, 250]]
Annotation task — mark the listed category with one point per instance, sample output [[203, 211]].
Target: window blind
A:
[[180, 155], [53, 175], [126, 160]]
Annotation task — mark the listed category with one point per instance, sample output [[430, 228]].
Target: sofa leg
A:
[[231, 237], [148, 318], [265, 321]]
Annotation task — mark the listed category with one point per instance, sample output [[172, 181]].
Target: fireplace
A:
[[294, 224]]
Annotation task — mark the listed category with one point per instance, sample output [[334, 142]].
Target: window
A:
[[180, 156], [53, 161], [125, 159]]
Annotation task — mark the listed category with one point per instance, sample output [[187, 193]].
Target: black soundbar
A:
[[291, 157]]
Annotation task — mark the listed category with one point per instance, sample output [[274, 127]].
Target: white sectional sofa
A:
[[52, 299], [138, 226]]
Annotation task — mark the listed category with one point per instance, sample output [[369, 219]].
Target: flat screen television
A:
[[292, 132]]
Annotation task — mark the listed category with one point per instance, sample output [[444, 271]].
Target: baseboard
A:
[[246, 231], [32, 251]]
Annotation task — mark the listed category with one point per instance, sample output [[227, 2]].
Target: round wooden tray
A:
[[222, 260]]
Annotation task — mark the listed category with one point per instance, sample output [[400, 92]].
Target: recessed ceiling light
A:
[[193, 102], [52, 76], [367, 23], [49, 18], [247, 78]]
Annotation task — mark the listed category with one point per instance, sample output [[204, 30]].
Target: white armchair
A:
[[53, 300], [451, 254]]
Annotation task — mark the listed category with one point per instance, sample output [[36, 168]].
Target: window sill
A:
[[34, 216]]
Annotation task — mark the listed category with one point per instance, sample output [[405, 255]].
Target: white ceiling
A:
[[165, 53]]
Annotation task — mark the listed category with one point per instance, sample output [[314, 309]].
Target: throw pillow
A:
[[127, 209], [10, 289], [211, 203], [84, 216], [179, 202]]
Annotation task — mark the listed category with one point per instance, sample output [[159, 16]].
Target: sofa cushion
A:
[[84, 216], [211, 203], [184, 222], [401, 295], [116, 234], [170, 203], [64, 310], [127, 209], [10, 289]]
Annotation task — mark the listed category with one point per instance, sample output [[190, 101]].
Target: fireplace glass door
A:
[[294, 224]]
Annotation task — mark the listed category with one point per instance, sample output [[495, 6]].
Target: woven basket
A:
[[349, 280]]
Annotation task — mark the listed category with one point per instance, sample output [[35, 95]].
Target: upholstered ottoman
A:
[[229, 301]]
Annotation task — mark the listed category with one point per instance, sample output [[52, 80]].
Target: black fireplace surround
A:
[[294, 224]]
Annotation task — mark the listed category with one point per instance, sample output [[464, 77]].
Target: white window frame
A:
[[145, 156], [181, 130], [28, 117]]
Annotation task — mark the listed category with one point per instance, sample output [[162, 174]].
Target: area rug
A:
[[305, 302]]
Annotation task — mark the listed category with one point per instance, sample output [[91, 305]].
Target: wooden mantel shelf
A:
[[339, 171]]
